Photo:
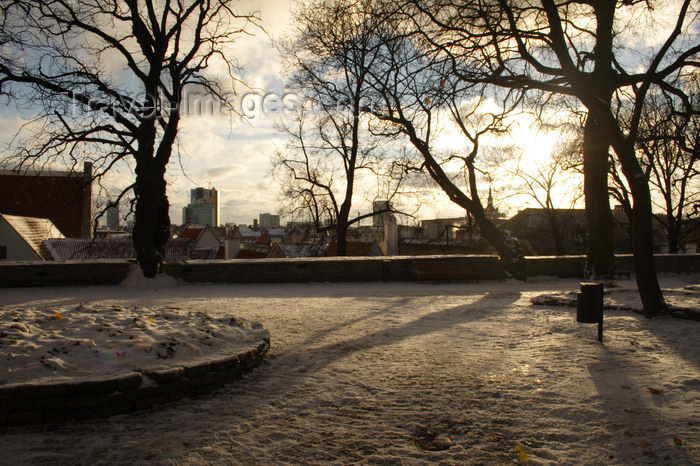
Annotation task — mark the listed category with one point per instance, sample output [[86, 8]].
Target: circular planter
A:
[[138, 389]]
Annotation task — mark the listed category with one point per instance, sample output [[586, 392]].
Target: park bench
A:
[[442, 270]]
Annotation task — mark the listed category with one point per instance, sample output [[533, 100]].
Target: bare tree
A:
[[670, 143], [108, 79], [330, 147], [415, 99], [669, 154], [569, 49], [320, 177], [543, 183]]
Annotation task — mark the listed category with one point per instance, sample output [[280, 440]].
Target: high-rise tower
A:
[[203, 208]]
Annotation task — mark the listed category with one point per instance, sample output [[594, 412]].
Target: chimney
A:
[[391, 235], [86, 194], [232, 246]]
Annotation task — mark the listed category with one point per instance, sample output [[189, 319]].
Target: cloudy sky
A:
[[233, 154]]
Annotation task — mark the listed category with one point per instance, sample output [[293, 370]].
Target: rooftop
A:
[[33, 230]]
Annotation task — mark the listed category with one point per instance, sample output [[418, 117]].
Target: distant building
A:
[[691, 241], [540, 230], [21, 237], [273, 251], [356, 248], [248, 234], [424, 246], [379, 206], [199, 214], [112, 215], [409, 231], [492, 212], [176, 249], [241, 242], [366, 234], [202, 236], [203, 208], [443, 228], [537, 231], [63, 197], [269, 221]]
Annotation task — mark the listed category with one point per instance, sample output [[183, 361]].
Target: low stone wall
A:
[[68, 273], [397, 268], [555, 266], [574, 266], [665, 263], [321, 269], [57, 402], [277, 270]]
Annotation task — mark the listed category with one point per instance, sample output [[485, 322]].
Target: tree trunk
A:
[[508, 248], [643, 235], [600, 258], [556, 232], [673, 232], [341, 238], [152, 222], [341, 229]]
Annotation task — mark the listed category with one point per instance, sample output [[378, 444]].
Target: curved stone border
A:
[[95, 398]]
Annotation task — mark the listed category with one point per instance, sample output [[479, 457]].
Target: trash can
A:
[[589, 303]]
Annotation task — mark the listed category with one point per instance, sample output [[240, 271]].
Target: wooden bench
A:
[[442, 270]]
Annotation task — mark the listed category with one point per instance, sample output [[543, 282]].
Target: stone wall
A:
[[323, 269], [68, 273]]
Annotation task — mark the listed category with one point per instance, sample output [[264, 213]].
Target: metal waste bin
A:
[[589, 303], [589, 306]]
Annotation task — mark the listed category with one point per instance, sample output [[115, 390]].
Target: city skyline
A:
[[234, 151]]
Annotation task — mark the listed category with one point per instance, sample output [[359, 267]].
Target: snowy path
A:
[[404, 373]]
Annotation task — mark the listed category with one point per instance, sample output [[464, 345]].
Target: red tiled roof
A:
[[85, 248], [177, 250], [352, 248], [220, 232], [191, 231], [117, 248], [264, 239], [253, 252]]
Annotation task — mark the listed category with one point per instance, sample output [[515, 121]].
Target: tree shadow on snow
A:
[[182, 425]]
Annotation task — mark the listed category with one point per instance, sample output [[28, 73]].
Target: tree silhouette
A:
[[108, 79], [330, 146], [569, 50]]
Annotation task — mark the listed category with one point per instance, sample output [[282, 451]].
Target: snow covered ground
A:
[[57, 342], [402, 373]]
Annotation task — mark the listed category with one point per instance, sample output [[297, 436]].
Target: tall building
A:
[[63, 197], [113, 216], [269, 221], [203, 208], [377, 206], [443, 228]]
